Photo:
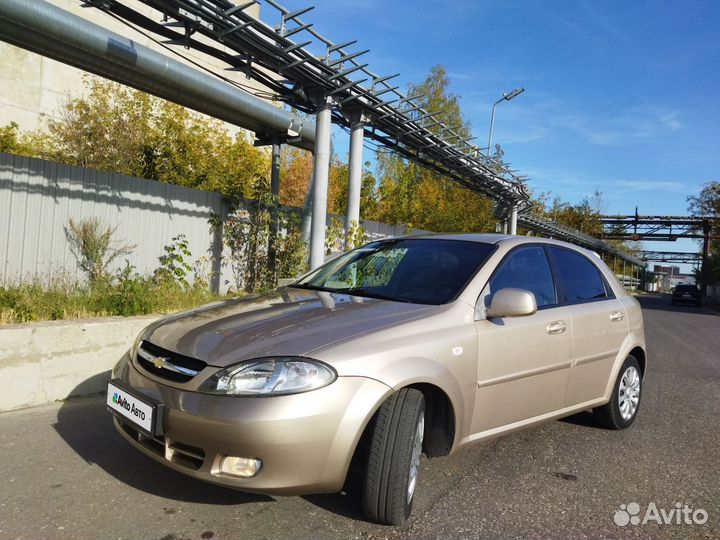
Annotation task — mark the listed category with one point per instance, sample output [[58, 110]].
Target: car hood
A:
[[286, 322]]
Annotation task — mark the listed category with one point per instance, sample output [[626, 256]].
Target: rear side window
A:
[[526, 268], [581, 277]]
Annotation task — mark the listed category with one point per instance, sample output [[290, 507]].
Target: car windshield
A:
[[686, 288], [422, 271]]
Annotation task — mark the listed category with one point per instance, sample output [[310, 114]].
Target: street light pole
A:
[[513, 211], [505, 97]]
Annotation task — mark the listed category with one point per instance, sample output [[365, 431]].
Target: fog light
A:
[[240, 466]]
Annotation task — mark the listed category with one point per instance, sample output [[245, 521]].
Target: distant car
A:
[[403, 346], [686, 294]]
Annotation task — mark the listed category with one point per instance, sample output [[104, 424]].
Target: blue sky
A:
[[622, 97]]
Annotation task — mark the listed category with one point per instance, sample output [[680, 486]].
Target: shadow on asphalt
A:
[[662, 303], [584, 419], [86, 426]]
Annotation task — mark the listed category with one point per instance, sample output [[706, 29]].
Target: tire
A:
[[394, 449], [613, 415]]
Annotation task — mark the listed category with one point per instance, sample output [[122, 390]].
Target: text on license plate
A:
[[130, 407]]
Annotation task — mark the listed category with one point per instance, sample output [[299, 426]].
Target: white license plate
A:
[[686, 295], [139, 411]]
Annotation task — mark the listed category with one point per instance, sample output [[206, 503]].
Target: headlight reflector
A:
[[270, 376]]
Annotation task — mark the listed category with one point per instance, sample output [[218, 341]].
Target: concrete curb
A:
[[49, 361]]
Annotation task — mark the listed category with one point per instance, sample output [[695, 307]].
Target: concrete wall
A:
[[44, 362], [34, 86]]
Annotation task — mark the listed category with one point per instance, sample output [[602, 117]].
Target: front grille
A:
[[179, 453], [170, 365]]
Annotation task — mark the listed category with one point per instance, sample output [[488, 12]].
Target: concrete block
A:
[[50, 361]]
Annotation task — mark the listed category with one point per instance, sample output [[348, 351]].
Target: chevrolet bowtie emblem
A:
[[159, 362]]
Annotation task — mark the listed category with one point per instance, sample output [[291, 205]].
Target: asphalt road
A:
[[65, 473]]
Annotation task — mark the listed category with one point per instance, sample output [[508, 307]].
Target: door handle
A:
[[557, 327], [617, 316]]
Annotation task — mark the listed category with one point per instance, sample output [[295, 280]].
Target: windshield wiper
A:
[[362, 291], [309, 287]]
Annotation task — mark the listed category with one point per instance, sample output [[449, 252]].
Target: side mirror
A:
[[512, 302]]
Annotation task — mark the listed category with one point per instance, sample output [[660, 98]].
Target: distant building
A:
[[670, 276], [32, 85]]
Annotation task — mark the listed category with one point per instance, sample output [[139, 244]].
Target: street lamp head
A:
[[514, 93]]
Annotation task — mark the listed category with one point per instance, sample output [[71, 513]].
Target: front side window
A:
[[581, 277], [528, 269], [424, 271]]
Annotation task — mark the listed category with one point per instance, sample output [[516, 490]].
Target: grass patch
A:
[[123, 295]]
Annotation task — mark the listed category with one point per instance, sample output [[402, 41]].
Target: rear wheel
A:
[[623, 406], [394, 457]]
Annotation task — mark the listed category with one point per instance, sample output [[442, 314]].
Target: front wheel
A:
[[393, 463], [623, 406]]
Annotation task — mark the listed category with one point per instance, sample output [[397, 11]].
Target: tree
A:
[[296, 173], [14, 142], [368, 192], [9, 138], [707, 203], [115, 128], [415, 196]]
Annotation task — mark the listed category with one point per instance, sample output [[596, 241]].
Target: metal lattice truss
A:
[[656, 228], [560, 232], [279, 57], [672, 256]]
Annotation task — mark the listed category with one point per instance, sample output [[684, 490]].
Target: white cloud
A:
[[628, 186]]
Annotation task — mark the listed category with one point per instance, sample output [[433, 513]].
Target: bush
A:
[[92, 244], [124, 294]]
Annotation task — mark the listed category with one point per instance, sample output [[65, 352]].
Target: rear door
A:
[[599, 324]]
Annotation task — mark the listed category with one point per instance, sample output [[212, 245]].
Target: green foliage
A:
[[411, 195], [92, 244], [713, 269], [9, 138], [128, 293], [175, 265], [115, 128], [125, 294], [14, 142], [356, 236], [253, 242], [334, 237], [291, 248], [707, 203], [368, 190]]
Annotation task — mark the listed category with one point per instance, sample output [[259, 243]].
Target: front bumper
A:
[[305, 441], [686, 300]]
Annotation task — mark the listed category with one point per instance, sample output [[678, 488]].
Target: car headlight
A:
[[270, 377]]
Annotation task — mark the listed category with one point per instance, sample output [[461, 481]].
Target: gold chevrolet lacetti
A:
[[404, 346]]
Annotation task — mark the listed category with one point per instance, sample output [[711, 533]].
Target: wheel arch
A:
[[440, 420], [639, 354]]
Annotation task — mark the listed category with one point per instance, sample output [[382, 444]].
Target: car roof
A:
[[501, 238], [471, 237]]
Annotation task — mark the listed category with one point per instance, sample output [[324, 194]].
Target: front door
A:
[[523, 362]]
